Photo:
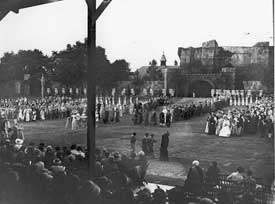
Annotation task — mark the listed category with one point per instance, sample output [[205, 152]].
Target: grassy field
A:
[[187, 142]]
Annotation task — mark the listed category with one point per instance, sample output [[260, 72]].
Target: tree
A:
[[13, 66], [154, 62], [178, 81], [120, 70], [153, 74], [70, 65]]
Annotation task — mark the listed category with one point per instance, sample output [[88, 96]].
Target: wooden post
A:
[[91, 95], [42, 85]]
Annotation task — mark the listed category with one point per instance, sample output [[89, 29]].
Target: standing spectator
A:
[[164, 146], [262, 126], [145, 144], [133, 142], [161, 119], [151, 142], [270, 128], [194, 179], [168, 118], [153, 120]]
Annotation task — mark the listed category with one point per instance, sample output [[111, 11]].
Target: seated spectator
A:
[[73, 150], [212, 174], [159, 196], [57, 166], [80, 152], [249, 181], [206, 201], [237, 176], [89, 193], [18, 144]]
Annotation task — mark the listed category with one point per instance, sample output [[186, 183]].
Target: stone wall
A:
[[213, 57], [245, 56]]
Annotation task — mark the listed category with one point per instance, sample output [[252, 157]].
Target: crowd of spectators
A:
[[46, 174]]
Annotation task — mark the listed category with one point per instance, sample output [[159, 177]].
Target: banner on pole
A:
[[164, 92], [113, 91]]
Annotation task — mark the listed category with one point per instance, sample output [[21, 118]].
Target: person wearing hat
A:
[[194, 181], [57, 166], [18, 144]]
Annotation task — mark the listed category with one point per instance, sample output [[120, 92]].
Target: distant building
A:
[[142, 71], [211, 55], [211, 67]]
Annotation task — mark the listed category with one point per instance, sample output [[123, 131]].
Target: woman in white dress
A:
[[20, 115], [74, 122], [226, 130], [206, 130], [28, 114], [42, 114]]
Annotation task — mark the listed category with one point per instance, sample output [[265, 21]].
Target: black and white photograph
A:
[[137, 102]]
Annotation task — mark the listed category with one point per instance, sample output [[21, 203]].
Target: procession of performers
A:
[[257, 117], [149, 117], [182, 112], [48, 108]]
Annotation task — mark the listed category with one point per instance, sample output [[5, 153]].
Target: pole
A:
[[42, 85], [91, 96]]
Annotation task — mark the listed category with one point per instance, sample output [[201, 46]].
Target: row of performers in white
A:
[[241, 101]]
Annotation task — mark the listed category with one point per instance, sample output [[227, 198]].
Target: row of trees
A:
[[68, 66]]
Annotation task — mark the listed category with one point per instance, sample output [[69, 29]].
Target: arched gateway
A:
[[201, 87]]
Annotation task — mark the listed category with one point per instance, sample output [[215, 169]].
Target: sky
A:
[[140, 30]]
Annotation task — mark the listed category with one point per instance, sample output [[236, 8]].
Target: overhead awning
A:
[[15, 5]]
